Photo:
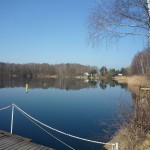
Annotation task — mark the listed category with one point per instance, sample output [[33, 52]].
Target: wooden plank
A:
[[9, 139], [46, 148], [15, 142], [34, 146], [17, 145], [1, 135], [5, 141], [9, 142], [37, 147], [27, 146], [5, 138], [6, 145], [14, 136]]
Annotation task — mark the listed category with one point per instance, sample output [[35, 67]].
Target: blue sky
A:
[[54, 31]]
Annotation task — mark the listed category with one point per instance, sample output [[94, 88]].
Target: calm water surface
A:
[[76, 108]]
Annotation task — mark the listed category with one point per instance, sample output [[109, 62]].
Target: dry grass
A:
[[130, 140], [136, 135], [135, 80], [146, 143]]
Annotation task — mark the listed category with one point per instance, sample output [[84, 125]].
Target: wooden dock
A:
[[15, 142]]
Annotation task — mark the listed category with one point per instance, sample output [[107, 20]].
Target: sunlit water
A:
[[79, 112]]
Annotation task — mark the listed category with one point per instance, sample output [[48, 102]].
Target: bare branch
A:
[[125, 34], [120, 18]]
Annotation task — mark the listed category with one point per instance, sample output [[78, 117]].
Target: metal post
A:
[[12, 118], [116, 146]]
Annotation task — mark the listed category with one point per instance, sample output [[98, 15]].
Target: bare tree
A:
[[113, 19], [44, 70], [141, 62]]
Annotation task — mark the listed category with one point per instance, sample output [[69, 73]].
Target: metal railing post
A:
[[117, 146], [12, 118]]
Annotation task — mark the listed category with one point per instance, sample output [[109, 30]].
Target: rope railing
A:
[[48, 132], [51, 128], [5, 107]]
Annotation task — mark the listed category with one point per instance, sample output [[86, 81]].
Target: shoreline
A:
[[129, 135], [134, 82]]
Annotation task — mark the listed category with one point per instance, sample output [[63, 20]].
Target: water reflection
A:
[[59, 83], [111, 83], [103, 84], [75, 112]]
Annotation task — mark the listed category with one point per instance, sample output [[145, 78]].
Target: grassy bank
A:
[[135, 80], [136, 134], [130, 140]]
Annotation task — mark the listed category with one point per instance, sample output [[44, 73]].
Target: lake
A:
[[81, 108]]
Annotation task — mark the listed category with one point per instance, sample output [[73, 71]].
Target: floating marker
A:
[[145, 88], [27, 87]]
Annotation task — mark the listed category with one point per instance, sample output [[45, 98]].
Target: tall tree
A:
[[118, 18], [103, 71]]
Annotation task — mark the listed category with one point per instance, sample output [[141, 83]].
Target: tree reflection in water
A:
[[60, 83], [111, 83]]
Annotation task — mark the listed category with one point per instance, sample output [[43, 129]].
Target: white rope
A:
[[5, 107], [48, 132], [61, 132]]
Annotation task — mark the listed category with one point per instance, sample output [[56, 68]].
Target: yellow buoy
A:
[[27, 87], [145, 88]]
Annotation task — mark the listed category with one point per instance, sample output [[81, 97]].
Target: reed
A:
[[136, 80], [135, 133]]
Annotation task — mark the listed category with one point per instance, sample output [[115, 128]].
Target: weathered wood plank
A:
[[17, 145], [3, 140], [6, 142], [34, 146], [14, 136], [6, 145], [27, 146], [1, 135], [15, 142], [37, 147], [46, 148]]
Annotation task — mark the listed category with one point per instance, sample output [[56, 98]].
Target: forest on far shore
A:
[[44, 70]]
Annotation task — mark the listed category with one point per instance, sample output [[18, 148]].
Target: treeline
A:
[[109, 73], [140, 66], [43, 70]]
